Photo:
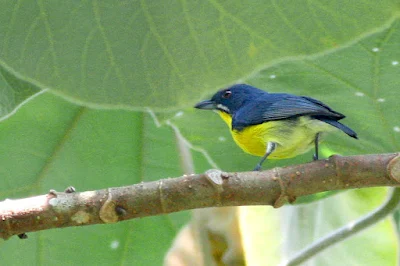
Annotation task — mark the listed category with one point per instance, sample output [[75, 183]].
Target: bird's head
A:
[[231, 99]]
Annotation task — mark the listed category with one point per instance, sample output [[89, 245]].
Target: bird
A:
[[274, 125]]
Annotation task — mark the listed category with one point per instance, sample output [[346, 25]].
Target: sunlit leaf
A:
[[166, 54]]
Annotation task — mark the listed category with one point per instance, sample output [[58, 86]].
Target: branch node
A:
[[120, 211], [394, 168], [225, 175], [70, 189], [108, 213], [5, 234], [162, 201], [216, 178], [283, 197], [53, 192]]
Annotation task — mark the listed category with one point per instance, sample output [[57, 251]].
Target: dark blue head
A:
[[231, 99]]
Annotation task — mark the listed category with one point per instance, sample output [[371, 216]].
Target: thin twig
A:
[[391, 204]]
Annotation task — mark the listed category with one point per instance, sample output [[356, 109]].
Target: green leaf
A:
[[52, 144], [13, 93], [166, 54], [307, 223], [272, 236], [355, 80], [169, 55]]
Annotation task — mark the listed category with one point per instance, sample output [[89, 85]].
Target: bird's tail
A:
[[340, 126]]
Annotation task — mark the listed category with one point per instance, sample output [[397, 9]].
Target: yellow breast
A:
[[251, 139], [293, 136]]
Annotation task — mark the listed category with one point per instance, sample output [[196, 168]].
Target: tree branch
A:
[[391, 204], [212, 189]]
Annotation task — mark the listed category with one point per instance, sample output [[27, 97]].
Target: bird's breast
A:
[[253, 139], [293, 136]]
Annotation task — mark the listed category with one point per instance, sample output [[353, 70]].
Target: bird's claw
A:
[[257, 168]]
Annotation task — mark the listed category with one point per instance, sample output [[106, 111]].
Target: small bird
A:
[[274, 125]]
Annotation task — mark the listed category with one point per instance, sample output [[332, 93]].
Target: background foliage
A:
[[109, 61]]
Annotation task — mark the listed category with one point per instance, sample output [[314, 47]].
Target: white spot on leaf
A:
[[396, 129], [114, 244], [179, 114], [272, 76], [360, 94], [221, 138], [375, 49], [381, 100], [395, 63]]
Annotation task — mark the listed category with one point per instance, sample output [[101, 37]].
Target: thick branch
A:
[[273, 187]]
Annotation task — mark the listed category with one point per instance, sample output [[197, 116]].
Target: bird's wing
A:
[[280, 106]]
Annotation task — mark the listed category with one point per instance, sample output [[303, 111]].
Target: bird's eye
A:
[[226, 94]]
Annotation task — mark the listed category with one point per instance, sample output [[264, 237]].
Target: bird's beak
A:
[[206, 105]]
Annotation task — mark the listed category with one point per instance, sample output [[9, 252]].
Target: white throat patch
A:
[[223, 107]]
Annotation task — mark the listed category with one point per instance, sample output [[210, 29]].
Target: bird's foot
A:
[[257, 168]]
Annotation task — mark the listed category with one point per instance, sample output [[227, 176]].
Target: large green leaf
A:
[[361, 81], [163, 54], [13, 93], [51, 144], [135, 54]]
